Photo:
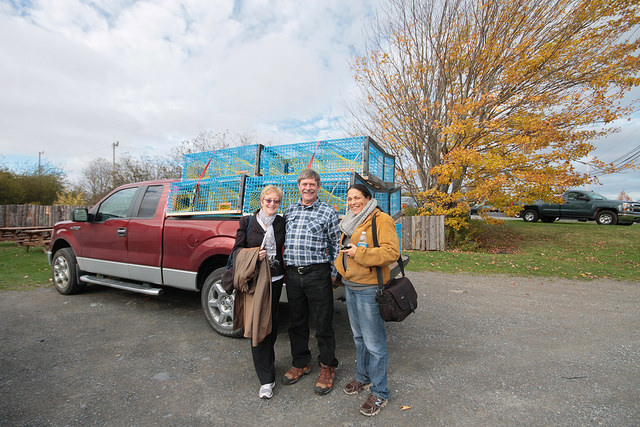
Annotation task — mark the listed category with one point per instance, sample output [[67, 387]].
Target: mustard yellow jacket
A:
[[362, 267]]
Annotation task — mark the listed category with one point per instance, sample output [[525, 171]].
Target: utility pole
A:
[[588, 170], [113, 170], [40, 153]]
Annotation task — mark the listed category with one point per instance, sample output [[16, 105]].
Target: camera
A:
[[343, 247]]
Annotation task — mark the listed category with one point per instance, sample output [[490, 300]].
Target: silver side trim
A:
[[181, 279], [145, 273], [108, 268]]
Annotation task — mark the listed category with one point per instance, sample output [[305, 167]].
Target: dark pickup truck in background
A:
[[128, 241], [584, 206]]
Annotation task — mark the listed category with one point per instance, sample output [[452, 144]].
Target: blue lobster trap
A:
[[389, 200], [209, 195], [243, 160], [357, 154], [333, 191]]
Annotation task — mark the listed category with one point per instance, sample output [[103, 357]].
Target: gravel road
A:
[[480, 350]]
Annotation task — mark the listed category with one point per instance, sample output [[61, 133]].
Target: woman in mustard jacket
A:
[[357, 264]]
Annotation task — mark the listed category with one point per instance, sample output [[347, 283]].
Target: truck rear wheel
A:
[[607, 218], [218, 305], [63, 272], [530, 215]]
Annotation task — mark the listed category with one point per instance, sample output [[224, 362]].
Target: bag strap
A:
[[246, 236], [375, 245]]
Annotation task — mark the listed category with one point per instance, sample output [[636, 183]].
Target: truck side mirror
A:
[[80, 215]]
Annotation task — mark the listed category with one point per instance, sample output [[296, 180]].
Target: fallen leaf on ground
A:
[[404, 408]]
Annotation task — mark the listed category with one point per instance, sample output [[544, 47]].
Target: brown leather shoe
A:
[[372, 405], [355, 386], [324, 383], [293, 374]]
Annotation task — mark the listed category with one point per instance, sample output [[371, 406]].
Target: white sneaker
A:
[[266, 391]]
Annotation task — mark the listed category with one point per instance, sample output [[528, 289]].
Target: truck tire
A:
[[530, 215], [218, 305], [63, 272], [607, 218]]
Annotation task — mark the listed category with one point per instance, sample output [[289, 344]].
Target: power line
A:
[[625, 159]]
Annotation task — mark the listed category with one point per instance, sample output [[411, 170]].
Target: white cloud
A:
[[78, 75]]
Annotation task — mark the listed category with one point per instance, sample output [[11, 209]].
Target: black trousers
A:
[[264, 356], [311, 294]]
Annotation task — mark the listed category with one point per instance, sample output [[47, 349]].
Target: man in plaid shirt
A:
[[311, 245]]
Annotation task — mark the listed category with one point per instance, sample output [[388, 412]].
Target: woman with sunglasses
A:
[[266, 230]]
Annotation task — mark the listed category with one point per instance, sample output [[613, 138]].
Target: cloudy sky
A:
[[79, 75]]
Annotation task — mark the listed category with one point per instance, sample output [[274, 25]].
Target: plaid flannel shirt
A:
[[312, 235]]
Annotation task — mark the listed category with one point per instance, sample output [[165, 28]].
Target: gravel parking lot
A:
[[480, 350]]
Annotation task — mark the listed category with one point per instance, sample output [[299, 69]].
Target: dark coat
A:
[[255, 237]]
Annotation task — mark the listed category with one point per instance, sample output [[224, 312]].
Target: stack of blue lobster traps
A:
[[228, 181]]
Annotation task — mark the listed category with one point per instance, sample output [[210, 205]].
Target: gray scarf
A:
[[350, 221], [269, 241]]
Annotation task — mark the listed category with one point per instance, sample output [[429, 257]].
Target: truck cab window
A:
[[150, 201], [117, 205]]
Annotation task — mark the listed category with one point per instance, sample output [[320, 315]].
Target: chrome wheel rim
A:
[[606, 219], [220, 305], [61, 272]]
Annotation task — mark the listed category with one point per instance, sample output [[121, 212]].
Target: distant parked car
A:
[[584, 206], [408, 202], [475, 209]]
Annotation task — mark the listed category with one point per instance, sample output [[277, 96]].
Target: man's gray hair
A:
[[309, 174]]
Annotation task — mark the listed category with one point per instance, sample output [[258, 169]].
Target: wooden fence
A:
[[424, 233], [33, 215]]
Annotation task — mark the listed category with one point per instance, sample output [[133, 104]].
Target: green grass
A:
[[22, 269], [573, 250]]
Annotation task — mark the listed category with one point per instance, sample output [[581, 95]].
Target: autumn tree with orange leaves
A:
[[496, 100]]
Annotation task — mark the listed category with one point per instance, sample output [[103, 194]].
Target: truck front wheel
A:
[[218, 305], [607, 218], [530, 215], [63, 272]]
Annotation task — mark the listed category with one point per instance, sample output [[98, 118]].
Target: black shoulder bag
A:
[[398, 298]]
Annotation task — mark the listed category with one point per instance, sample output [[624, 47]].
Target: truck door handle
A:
[[122, 232]]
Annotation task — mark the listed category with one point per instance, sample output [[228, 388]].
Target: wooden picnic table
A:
[[27, 236]]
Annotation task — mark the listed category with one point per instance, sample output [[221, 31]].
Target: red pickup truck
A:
[[127, 241]]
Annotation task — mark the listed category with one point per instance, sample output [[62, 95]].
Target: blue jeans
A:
[[370, 338]]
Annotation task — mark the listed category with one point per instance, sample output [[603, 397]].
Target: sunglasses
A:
[[274, 201]]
